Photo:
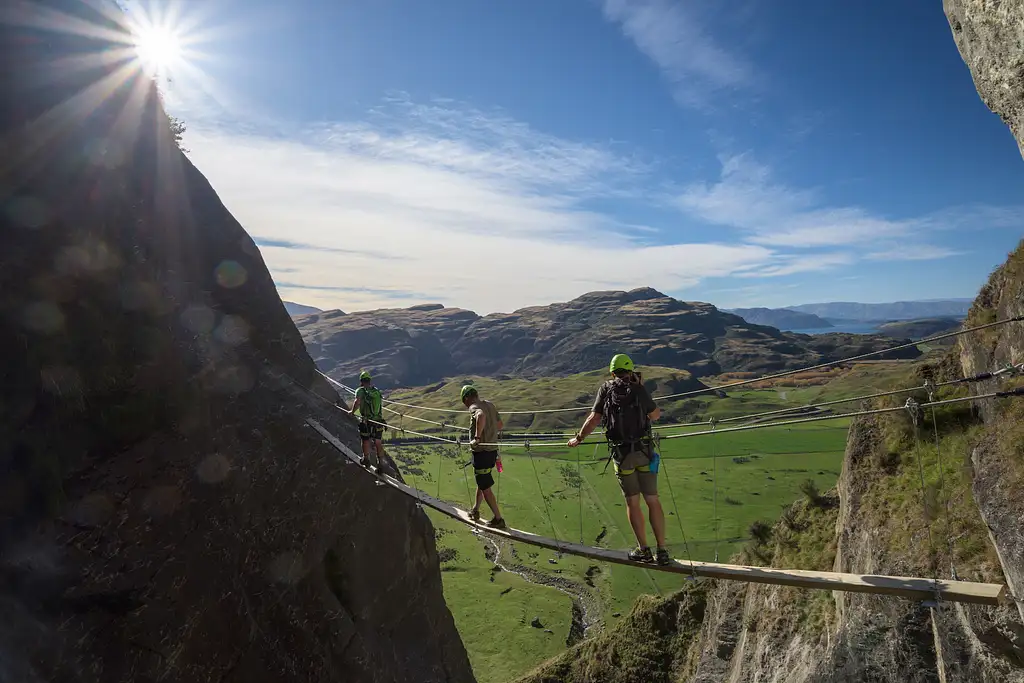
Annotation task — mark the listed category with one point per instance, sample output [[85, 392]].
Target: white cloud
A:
[[766, 212], [448, 205], [913, 252], [486, 214], [671, 34]]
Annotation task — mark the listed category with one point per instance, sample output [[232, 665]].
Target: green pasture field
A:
[[745, 476]]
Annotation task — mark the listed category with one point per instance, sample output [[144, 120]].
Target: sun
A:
[[158, 48]]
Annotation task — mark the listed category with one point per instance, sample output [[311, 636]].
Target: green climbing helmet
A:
[[364, 375], [621, 361], [468, 390]]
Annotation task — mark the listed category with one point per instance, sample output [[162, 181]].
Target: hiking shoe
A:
[[662, 556], [497, 523], [364, 461], [474, 515], [641, 555]]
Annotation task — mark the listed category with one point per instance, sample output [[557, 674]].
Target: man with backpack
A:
[[627, 410], [484, 425], [370, 405]]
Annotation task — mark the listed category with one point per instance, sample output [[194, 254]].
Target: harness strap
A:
[[638, 468], [482, 470]]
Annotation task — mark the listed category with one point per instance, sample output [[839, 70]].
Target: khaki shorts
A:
[[635, 476]]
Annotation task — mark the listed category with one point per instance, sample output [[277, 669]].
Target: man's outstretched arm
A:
[[591, 423]]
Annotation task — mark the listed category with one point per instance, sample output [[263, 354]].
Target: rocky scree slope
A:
[[875, 521], [424, 344], [164, 513]]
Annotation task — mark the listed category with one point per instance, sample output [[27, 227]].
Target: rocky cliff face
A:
[[990, 36], [164, 513], [424, 344]]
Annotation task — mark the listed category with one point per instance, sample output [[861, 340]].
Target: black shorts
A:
[[370, 430], [483, 463]]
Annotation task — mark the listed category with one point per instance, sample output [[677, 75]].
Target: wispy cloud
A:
[[452, 205], [914, 252], [672, 35], [481, 211], [764, 211], [305, 246]]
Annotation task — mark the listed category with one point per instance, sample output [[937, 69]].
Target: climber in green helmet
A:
[[370, 405], [484, 425], [627, 410]]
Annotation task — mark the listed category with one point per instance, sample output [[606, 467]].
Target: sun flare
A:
[[158, 48]]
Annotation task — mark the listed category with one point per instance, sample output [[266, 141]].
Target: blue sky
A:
[[493, 155]]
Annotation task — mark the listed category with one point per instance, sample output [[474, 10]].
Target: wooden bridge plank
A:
[[913, 588]]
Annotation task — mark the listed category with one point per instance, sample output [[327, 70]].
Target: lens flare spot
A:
[[231, 274], [44, 317], [214, 469]]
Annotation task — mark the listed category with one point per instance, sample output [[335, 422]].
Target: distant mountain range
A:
[[424, 344], [850, 316], [295, 309], [899, 310]]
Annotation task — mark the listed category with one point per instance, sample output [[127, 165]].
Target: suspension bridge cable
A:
[[579, 484], [998, 394], [838, 416], [942, 480], [914, 410], [440, 459], [1011, 369], [762, 425], [821, 366], [540, 488], [714, 487], [675, 510], [975, 378]]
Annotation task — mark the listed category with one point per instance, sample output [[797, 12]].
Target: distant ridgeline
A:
[[427, 343]]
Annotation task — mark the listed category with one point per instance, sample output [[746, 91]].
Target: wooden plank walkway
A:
[[900, 586]]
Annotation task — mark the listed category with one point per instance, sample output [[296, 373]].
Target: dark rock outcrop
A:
[[164, 513], [424, 344]]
